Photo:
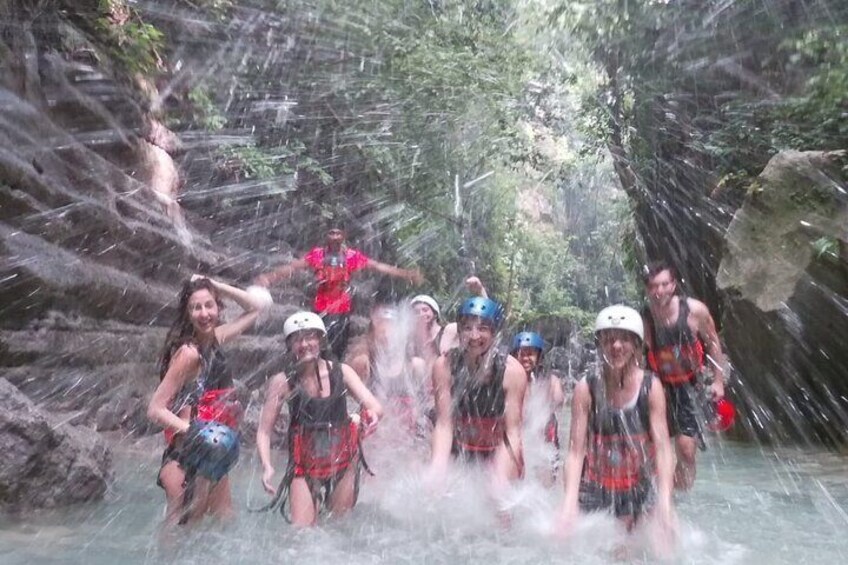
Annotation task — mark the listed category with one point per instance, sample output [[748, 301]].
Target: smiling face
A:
[[202, 310], [528, 357], [424, 314], [335, 238], [476, 335], [305, 345], [661, 288], [618, 348]]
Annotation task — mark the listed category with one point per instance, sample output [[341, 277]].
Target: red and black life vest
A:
[[323, 441], [619, 452], [400, 393], [212, 396], [478, 408], [676, 354], [333, 271]]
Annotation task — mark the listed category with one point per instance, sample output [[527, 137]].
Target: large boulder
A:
[[784, 279], [47, 462]]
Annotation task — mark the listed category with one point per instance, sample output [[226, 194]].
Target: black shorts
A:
[[633, 502], [338, 332], [171, 453], [682, 408]]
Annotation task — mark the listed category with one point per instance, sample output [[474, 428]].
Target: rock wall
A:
[[93, 249], [784, 285], [46, 461]]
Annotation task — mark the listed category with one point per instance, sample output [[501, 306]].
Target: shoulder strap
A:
[[642, 403], [649, 322], [336, 377], [683, 312], [455, 362], [438, 340], [499, 368], [592, 381]]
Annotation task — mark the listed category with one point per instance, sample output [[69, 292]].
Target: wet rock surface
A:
[[47, 462], [785, 298]]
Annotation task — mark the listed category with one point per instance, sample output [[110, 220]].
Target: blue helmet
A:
[[527, 339], [484, 308], [210, 449]]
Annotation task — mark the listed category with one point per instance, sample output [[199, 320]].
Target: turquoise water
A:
[[749, 505]]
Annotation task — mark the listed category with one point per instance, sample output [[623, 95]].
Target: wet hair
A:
[[336, 221], [656, 267], [181, 331]]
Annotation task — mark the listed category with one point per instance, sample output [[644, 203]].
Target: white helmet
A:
[[620, 317], [303, 321], [429, 301]]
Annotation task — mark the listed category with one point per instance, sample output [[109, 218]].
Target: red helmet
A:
[[725, 416]]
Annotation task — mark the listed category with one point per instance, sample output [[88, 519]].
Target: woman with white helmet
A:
[[323, 440], [620, 458], [431, 338], [428, 330]]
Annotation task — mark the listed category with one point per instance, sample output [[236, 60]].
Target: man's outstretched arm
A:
[[412, 275], [280, 273]]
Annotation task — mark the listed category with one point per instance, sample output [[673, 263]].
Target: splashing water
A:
[[802, 496]]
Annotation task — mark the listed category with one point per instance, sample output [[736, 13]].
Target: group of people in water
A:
[[636, 420]]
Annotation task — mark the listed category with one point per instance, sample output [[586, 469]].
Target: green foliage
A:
[[811, 118], [252, 162], [433, 124], [264, 163], [131, 42], [205, 111], [826, 248]]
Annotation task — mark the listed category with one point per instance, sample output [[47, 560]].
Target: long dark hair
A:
[[182, 331]]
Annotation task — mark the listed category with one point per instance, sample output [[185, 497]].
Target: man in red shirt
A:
[[333, 265]]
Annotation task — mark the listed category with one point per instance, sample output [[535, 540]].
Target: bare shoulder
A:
[[655, 389], [187, 353], [654, 380], [418, 364], [348, 372], [441, 369], [698, 308], [346, 368], [514, 374], [278, 379], [449, 338], [358, 363], [278, 384], [513, 365]]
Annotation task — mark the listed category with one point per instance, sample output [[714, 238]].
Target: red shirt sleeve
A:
[[315, 257], [356, 260]]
